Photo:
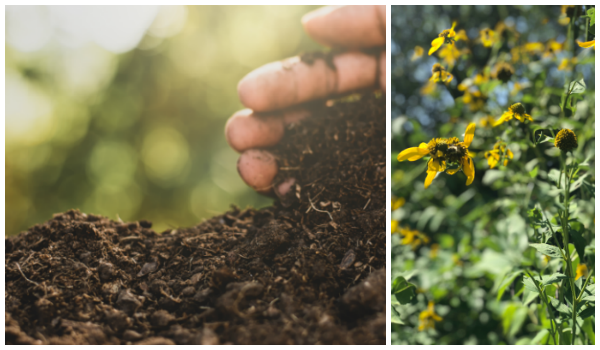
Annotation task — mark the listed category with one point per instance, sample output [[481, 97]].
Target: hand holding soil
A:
[[273, 93]]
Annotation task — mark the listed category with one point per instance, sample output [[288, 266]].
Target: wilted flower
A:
[[565, 140], [444, 37], [515, 111], [439, 73], [447, 155], [428, 318]]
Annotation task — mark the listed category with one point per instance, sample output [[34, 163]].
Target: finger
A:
[[258, 169], [351, 27], [247, 129], [382, 67], [286, 83]]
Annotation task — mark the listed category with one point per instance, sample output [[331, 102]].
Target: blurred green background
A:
[[120, 111], [478, 234]]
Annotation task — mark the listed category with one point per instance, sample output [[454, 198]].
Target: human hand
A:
[[272, 92]]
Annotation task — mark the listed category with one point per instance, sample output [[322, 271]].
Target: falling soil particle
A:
[[308, 270]]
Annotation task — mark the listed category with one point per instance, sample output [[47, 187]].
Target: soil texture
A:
[[308, 270]]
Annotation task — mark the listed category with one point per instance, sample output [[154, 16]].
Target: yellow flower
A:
[[488, 37], [428, 88], [444, 37], [565, 140], [587, 44], [428, 318], [394, 226], [500, 151], [582, 271], [413, 237], [418, 53], [552, 47], [447, 155], [461, 35], [475, 100], [517, 111], [450, 54], [439, 73], [566, 12], [487, 121], [397, 202], [546, 259], [567, 64]]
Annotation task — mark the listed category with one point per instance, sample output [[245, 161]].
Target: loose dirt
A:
[[308, 270]]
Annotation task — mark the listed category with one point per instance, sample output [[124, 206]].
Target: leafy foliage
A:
[[508, 259]]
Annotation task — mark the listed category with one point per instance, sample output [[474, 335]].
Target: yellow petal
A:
[[452, 33], [452, 171], [509, 154], [450, 77], [504, 118], [587, 44], [436, 44], [431, 171], [528, 117], [413, 153], [468, 169], [469, 134]]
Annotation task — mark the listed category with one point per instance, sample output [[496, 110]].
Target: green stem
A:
[[545, 300], [565, 227]]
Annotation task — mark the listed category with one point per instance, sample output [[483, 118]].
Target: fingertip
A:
[[258, 168], [247, 129]]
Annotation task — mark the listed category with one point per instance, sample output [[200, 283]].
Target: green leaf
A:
[[538, 337], [587, 312], [403, 290], [534, 172], [399, 284], [530, 285], [547, 249], [575, 87], [562, 308], [396, 317], [591, 14], [590, 298], [576, 231], [507, 282], [546, 280], [588, 328]]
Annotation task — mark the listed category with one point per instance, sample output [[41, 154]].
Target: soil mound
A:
[[308, 270]]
